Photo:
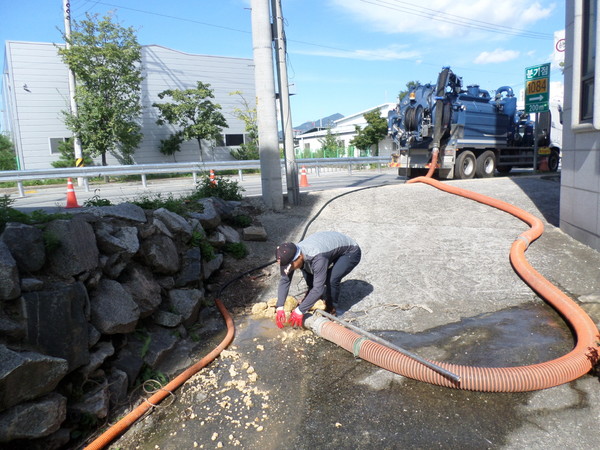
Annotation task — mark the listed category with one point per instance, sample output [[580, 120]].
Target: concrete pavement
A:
[[435, 279]]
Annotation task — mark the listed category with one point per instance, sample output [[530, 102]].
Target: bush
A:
[[236, 249], [172, 144], [222, 188]]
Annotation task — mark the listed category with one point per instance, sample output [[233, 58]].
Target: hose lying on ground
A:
[[566, 368], [115, 430]]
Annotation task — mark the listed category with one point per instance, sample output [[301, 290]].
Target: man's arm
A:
[[284, 287], [319, 267]]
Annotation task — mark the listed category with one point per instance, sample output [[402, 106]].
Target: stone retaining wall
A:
[[88, 305]]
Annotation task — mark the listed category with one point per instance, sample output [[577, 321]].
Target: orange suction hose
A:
[[571, 366], [122, 425]]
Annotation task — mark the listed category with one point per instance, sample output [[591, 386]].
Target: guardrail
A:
[[19, 176]]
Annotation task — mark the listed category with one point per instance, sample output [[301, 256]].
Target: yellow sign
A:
[[544, 151], [537, 86]]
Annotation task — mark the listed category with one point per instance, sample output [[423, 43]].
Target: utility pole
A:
[[266, 112], [76, 140], [291, 168]]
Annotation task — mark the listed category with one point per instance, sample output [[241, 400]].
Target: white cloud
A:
[[496, 56], [391, 53], [442, 18]]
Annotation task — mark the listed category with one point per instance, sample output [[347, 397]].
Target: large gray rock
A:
[[26, 244], [98, 355], [231, 235], [210, 267], [35, 419], [113, 309], [94, 403], [27, 375], [117, 387], [160, 254], [144, 290], [77, 252], [57, 322], [167, 319], [115, 239], [187, 303], [254, 233], [129, 360], [162, 343], [209, 217], [127, 211], [225, 208], [10, 285], [174, 222], [191, 268]]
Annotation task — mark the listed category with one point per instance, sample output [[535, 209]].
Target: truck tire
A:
[[464, 168], [486, 164], [553, 160]]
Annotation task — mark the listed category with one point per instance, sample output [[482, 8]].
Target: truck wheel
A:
[[504, 169], [486, 164], [464, 168], [553, 161]]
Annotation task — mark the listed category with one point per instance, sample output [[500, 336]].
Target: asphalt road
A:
[[435, 278], [53, 198]]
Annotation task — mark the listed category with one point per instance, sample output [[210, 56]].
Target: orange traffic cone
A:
[[71, 199], [212, 177], [303, 178]]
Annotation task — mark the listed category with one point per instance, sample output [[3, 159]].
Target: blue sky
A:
[[345, 56]]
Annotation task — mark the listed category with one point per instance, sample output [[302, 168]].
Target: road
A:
[[53, 198]]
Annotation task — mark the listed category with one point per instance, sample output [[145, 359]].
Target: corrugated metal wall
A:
[[37, 82]]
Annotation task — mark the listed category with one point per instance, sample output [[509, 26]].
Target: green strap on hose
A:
[[357, 344]]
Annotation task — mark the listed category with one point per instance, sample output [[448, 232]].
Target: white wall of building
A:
[[35, 91], [344, 130], [580, 176]]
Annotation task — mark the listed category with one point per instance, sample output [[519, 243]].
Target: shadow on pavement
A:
[[546, 200]]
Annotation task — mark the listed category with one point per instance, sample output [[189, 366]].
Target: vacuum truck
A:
[[470, 133]]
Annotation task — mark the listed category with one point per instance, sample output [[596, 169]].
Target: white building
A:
[[344, 130], [35, 91], [580, 177]]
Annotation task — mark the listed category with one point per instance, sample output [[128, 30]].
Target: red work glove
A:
[[296, 318], [280, 317]]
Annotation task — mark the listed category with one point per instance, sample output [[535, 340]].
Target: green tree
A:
[[375, 130], [8, 159], [192, 111], [171, 145], [409, 86], [67, 155], [105, 58], [330, 145], [249, 149]]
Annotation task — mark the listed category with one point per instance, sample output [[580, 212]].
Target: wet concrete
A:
[[435, 279]]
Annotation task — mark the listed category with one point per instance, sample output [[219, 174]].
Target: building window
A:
[[234, 139], [54, 144], [588, 59]]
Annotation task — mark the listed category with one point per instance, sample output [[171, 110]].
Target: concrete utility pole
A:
[[291, 169], [266, 113], [76, 140]]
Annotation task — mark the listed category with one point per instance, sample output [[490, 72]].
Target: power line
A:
[[454, 19]]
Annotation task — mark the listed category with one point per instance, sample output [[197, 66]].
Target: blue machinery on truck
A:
[[474, 133]]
